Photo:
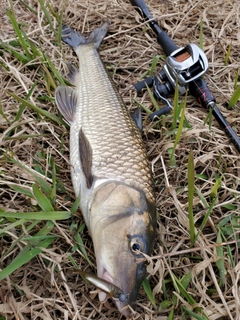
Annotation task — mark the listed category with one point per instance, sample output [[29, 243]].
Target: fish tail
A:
[[75, 39]]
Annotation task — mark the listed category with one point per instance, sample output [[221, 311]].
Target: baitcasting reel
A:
[[182, 66]]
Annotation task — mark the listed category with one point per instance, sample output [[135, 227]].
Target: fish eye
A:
[[137, 244], [122, 297]]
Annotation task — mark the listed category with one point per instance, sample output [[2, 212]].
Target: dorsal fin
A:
[[85, 151]]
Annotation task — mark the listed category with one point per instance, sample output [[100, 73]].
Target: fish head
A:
[[122, 227]]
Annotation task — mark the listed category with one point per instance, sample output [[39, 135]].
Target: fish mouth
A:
[[105, 275], [122, 306]]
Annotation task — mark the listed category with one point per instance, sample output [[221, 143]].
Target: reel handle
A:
[[157, 114]]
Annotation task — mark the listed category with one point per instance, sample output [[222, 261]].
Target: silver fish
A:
[[109, 169]]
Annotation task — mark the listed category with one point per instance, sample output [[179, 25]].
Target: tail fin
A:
[[75, 39]]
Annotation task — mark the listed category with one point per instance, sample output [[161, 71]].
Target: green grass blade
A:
[[205, 219], [29, 8], [2, 113], [190, 173], [209, 118], [154, 64], [154, 102], [73, 262], [143, 107], [21, 189], [19, 56], [214, 190], [201, 197], [148, 290], [35, 52], [175, 108], [44, 231], [25, 137], [186, 279], [53, 194], [194, 315], [165, 304], [184, 293], [49, 80], [236, 80], [48, 17], [37, 239], [55, 72], [38, 110], [220, 262], [224, 221], [47, 215], [180, 127], [229, 251], [45, 186], [22, 106], [75, 205], [228, 54], [59, 33], [230, 206], [29, 228], [12, 225], [234, 99], [18, 262], [41, 198], [80, 243], [171, 314], [11, 15]]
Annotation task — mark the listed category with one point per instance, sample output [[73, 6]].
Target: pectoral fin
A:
[[66, 100], [85, 151]]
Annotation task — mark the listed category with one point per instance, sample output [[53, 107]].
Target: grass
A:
[[236, 93], [234, 98], [191, 176], [193, 272]]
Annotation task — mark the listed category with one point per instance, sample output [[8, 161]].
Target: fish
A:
[[110, 170]]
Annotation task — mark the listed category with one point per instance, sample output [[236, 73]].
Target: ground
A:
[[198, 280]]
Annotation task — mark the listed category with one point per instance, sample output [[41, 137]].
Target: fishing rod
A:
[[183, 67]]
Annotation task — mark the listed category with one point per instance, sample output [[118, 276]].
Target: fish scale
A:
[[112, 133]]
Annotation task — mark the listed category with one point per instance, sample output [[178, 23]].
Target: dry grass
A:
[[45, 287]]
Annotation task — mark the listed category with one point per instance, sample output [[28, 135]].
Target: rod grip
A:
[[162, 37], [198, 89], [166, 43], [141, 7]]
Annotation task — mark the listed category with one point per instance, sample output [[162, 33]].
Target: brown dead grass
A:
[[128, 52]]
